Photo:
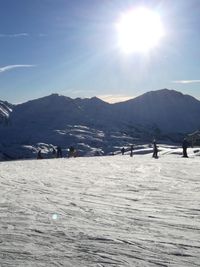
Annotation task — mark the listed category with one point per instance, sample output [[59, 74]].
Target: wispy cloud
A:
[[186, 81], [10, 67], [42, 34], [22, 34], [14, 35], [114, 98]]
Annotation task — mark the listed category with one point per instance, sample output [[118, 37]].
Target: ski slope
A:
[[101, 211]]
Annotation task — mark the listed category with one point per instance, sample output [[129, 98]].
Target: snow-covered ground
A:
[[101, 211]]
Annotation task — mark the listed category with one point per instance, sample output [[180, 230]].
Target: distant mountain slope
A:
[[58, 111], [170, 110], [46, 112], [93, 124], [41, 120]]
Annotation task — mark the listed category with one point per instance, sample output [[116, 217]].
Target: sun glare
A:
[[139, 30]]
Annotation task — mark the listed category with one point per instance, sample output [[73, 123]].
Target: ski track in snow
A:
[[101, 211]]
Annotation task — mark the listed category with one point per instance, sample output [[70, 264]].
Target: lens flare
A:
[[54, 216]]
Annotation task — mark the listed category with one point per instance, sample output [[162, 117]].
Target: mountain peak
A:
[[164, 95], [95, 99], [165, 92]]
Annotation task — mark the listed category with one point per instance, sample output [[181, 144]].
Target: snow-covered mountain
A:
[[5, 110], [169, 110], [58, 111], [92, 124]]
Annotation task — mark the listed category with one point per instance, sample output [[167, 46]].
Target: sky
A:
[[70, 47]]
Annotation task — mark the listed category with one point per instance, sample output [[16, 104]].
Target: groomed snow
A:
[[101, 211]]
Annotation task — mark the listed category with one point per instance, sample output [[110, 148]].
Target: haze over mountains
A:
[[94, 124]]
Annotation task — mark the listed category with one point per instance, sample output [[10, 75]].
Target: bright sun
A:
[[139, 30]]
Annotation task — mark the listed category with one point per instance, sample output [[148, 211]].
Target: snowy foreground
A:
[[101, 211]]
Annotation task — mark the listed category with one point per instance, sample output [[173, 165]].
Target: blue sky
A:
[[70, 47]]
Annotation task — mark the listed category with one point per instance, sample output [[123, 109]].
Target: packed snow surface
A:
[[101, 211]]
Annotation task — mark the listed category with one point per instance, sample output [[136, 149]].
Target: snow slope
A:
[[101, 211], [5, 110]]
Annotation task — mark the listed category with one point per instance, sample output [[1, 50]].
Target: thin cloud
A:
[[10, 67], [42, 34], [187, 81], [23, 34], [14, 35]]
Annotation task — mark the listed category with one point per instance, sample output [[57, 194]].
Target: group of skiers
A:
[[131, 149], [185, 145], [57, 152], [72, 152], [155, 150]]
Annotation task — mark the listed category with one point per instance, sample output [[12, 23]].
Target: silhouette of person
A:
[[185, 146], [131, 154], [39, 155], [59, 152], [155, 150], [54, 152], [122, 150], [71, 151]]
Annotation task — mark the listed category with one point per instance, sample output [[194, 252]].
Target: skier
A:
[[39, 155], [53, 152], [155, 150], [72, 152], [122, 150], [185, 146], [59, 152], [131, 154]]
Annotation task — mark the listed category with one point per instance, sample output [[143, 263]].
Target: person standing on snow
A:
[[122, 150], [155, 150], [185, 146], [53, 152], [131, 154], [71, 152], [59, 152], [39, 154]]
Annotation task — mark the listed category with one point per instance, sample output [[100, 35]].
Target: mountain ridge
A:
[[92, 123], [163, 107]]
